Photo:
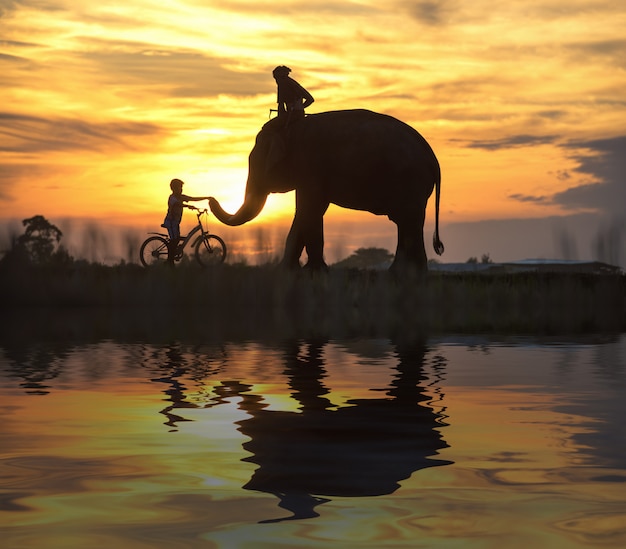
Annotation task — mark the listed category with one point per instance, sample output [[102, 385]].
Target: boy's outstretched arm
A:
[[187, 198]]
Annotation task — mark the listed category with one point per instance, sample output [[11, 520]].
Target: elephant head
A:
[[263, 177]]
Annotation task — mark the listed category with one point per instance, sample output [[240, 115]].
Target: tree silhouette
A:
[[485, 259], [40, 243], [366, 257]]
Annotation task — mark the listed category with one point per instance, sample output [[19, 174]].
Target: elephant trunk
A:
[[251, 207]]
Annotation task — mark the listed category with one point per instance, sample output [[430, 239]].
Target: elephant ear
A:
[[277, 151]]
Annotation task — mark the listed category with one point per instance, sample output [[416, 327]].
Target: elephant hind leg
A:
[[410, 251]]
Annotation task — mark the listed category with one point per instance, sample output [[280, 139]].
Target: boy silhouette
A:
[[175, 205]]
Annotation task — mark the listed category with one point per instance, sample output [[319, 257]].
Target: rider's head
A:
[[281, 71], [176, 185]]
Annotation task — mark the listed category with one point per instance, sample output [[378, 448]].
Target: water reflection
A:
[[204, 439], [363, 449], [174, 365], [36, 365]]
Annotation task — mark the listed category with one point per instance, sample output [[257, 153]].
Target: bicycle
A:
[[210, 249]]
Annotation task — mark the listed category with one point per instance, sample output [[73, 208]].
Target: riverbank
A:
[[337, 300]]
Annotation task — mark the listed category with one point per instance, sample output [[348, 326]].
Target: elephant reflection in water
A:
[[363, 449]]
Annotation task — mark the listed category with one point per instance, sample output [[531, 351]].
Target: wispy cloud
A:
[[538, 199], [178, 72], [430, 12], [33, 134], [15, 172], [512, 141], [7, 6], [292, 8]]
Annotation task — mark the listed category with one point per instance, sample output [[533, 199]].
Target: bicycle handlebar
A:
[[201, 210]]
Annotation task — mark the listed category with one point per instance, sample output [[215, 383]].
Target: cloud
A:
[[294, 8], [14, 68], [11, 174], [16, 44], [10, 58], [611, 50], [523, 140], [604, 161], [431, 12], [7, 5], [42, 5], [603, 47], [32, 134], [530, 198], [184, 73]]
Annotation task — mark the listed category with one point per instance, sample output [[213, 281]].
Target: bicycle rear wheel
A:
[[210, 250], [153, 251]]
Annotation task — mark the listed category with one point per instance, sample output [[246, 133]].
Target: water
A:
[[437, 441]]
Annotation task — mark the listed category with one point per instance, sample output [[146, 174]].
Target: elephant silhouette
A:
[[355, 159], [363, 449]]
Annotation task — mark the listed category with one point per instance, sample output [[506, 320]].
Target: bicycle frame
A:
[[187, 239], [184, 240]]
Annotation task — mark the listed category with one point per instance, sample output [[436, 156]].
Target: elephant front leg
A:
[[310, 210], [293, 247], [307, 231], [314, 244]]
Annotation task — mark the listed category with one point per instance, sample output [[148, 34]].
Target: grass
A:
[[265, 300]]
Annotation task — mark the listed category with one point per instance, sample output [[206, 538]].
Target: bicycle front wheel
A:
[[153, 251], [210, 250]]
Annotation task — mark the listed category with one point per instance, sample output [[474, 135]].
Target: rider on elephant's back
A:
[[292, 97]]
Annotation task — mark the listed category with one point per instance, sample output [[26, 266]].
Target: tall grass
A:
[[258, 297]]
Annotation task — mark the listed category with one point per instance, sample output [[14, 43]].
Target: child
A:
[[175, 205]]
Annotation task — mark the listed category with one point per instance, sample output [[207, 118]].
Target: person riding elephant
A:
[[292, 98]]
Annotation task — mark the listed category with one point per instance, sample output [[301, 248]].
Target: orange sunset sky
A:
[[524, 103]]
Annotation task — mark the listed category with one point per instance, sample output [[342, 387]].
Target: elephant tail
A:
[[437, 244]]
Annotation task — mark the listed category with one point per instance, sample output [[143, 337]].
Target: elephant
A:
[[356, 159], [364, 448]]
